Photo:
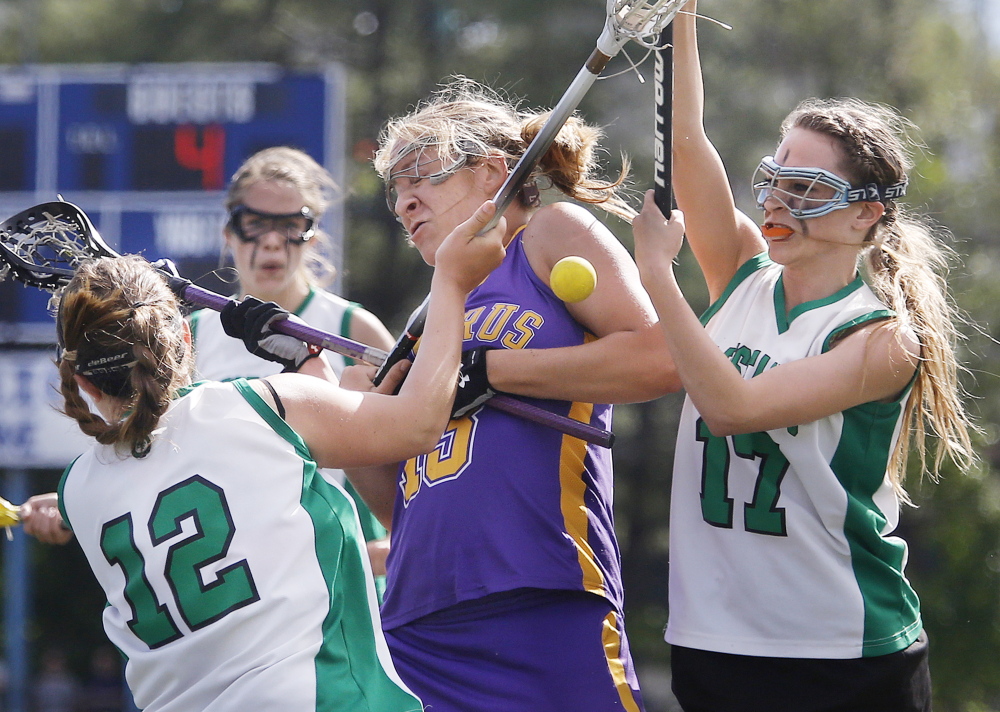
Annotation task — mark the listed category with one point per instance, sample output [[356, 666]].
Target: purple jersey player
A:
[[504, 588]]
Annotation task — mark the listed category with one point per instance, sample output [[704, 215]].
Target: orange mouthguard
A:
[[776, 230]]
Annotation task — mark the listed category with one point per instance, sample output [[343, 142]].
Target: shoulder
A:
[[564, 228], [350, 319], [322, 301], [564, 220], [885, 351], [322, 295], [369, 329]]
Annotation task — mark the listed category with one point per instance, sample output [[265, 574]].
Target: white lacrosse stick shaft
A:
[[639, 21]]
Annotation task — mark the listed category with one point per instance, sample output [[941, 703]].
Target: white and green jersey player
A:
[[195, 569], [220, 357], [780, 541]]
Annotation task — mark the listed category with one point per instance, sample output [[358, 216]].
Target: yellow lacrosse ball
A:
[[573, 279]]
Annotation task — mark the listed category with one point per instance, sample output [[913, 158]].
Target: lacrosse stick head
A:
[[640, 21], [42, 246]]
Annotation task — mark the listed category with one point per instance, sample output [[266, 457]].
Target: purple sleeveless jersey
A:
[[503, 503]]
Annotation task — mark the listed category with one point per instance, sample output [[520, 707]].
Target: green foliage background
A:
[[930, 58]]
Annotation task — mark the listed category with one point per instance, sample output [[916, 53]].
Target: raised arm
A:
[[721, 237], [349, 429], [873, 363]]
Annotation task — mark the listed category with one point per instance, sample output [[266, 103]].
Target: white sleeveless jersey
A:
[[236, 578], [779, 541], [219, 357]]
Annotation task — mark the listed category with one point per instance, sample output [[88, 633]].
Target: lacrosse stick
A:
[[42, 246], [663, 94], [641, 21]]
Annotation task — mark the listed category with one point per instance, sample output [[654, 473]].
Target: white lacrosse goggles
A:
[[814, 192], [414, 172]]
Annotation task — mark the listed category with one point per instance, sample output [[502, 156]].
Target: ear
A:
[[869, 214], [230, 237], [495, 172]]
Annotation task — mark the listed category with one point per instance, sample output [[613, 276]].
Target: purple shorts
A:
[[528, 650]]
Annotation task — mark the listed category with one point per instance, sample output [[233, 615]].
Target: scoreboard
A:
[[147, 150]]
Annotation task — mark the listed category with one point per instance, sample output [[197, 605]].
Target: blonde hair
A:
[[297, 169], [120, 311], [906, 267], [468, 120]]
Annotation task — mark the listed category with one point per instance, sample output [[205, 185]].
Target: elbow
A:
[[668, 380], [720, 427], [723, 423], [655, 378], [425, 436], [655, 385], [428, 440]]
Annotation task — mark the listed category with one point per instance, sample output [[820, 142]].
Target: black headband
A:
[[110, 373]]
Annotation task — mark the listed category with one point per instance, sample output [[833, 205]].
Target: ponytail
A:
[[906, 266], [467, 122]]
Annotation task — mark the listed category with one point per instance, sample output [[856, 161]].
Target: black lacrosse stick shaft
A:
[[406, 341], [663, 93]]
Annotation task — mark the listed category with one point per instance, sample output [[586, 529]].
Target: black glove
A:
[[474, 387], [251, 320]]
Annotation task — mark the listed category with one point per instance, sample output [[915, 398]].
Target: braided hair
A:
[[120, 327]]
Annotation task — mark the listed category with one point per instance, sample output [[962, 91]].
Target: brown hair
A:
[[296, 168], [467, 119], [906, 267], [120, 311]]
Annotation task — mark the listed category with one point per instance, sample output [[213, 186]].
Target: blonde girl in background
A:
[[276, 201]]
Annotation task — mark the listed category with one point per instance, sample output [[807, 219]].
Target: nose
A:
[[771, 202], [406, 202], [272, 239]]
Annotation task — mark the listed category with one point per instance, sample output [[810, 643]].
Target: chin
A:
[[778, 253]]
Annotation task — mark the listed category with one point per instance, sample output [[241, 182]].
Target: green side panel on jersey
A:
[[892, 611], [372, 529], [59, 490], [746, 269], [349, 672]]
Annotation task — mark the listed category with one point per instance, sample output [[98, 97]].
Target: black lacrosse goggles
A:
[[250, 225], [814, 192]]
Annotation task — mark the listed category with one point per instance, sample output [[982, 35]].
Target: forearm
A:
[[377, 487], [716, 388], [623, 367], [720, 236]]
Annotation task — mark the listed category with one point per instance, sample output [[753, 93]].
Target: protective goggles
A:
[[813, 192], [419, 170], [250, 225]]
